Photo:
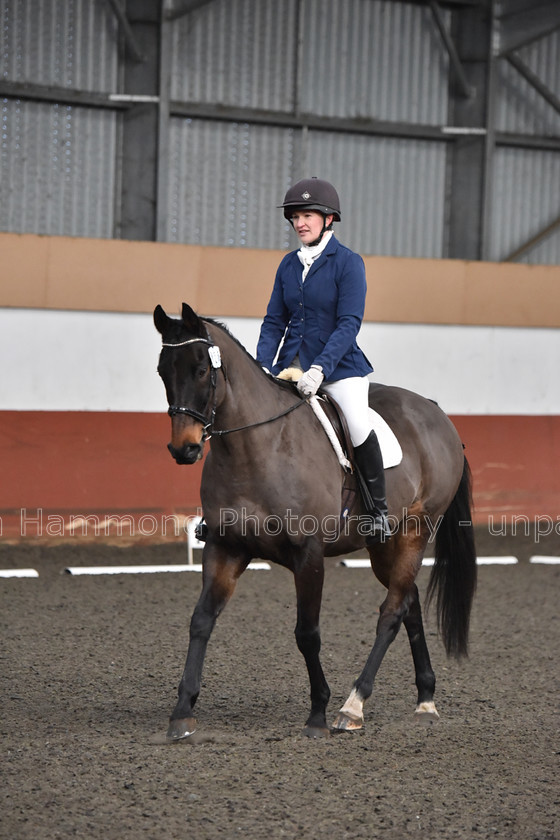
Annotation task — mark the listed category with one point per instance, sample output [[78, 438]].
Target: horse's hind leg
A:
[[351, 715], [396, 564], [426, 711]]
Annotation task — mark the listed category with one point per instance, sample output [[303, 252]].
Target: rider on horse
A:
[[312, 321]]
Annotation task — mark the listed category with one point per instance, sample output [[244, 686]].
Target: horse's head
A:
[[188, 366]]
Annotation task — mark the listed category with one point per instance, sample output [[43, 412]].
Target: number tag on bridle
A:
[[215, 356]]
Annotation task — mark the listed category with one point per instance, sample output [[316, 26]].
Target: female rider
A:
[[313, 317]]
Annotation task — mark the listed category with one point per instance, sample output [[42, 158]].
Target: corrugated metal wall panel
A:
[[525, 200], [225, 180], [57, 169], [366, 58], [359, 58], [392, 192], [236, 52], [58, 162], [519, 107], [66, 44]]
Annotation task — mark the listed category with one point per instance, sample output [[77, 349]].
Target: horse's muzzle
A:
[[189, 453]]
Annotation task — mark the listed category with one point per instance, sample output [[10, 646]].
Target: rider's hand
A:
[[309, 382]]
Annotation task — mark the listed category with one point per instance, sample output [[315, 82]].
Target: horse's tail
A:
[[453, 578]]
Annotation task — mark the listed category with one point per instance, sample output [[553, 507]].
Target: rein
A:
[[259, 422], [208, 422]]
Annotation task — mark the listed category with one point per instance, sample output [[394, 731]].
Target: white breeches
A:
[[352, 396]]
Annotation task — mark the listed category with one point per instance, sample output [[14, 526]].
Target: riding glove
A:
[[309, 382]]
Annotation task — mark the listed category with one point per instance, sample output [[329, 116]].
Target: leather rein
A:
[[208, 422]]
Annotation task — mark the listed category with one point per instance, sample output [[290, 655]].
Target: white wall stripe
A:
[[106, 361]]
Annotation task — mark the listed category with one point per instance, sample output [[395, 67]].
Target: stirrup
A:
[[201, 531], [380, 529]]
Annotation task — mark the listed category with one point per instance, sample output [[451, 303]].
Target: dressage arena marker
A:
[[429, 561], [348, 563], [145, 570], [549, 561]]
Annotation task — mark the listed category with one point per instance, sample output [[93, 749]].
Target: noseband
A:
[[216, 363]]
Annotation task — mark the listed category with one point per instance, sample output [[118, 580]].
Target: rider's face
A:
[[308, 224]]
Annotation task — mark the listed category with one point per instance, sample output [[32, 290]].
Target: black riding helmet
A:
[[312, 194]]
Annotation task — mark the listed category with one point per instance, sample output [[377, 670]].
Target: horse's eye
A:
[[202, 373]]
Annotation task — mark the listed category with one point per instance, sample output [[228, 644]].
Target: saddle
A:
[[337, 420], [334, 424], [352, 486], [334, 416]]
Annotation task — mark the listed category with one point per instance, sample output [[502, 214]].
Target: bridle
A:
[[215, 365], [208, 422]]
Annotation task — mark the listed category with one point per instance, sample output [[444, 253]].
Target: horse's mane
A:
[[282, 383]]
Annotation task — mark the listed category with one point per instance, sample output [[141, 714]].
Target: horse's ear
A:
[[161, 319], [190, 319]]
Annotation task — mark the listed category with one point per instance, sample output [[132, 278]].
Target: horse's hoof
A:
[[181, 729], [345, 722], [426, 713], [316, 732]]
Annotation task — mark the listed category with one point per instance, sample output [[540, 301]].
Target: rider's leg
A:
[[351, 394], [370, 463]]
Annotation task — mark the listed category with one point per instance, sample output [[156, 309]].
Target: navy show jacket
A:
[[319, 318]]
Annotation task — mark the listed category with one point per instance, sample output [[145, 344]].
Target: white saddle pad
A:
[[390, 447]]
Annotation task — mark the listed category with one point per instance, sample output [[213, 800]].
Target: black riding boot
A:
[[370, 464]]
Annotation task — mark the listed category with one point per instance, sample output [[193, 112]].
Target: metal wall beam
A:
[[126, 29], [523, 27], [210, 111], [31, 92], [138, 198], [164, 126], [470, 158], [464, 87], [533, 80], [183, 7], [533, 241], [48, 93]]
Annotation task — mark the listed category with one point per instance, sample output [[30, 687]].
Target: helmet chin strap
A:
[[316, 241]]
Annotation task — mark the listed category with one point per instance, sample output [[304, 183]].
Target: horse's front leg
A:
[[221, 571], [309, 576]]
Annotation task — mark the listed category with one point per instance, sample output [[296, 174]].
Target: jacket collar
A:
[[332, 247]]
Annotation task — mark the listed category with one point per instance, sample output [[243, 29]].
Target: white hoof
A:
[[426, 713], [351, 716]]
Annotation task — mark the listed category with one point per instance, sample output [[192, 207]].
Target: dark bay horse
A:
[[272, 488]]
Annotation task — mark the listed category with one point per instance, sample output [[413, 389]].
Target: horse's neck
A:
[[250, 395]]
